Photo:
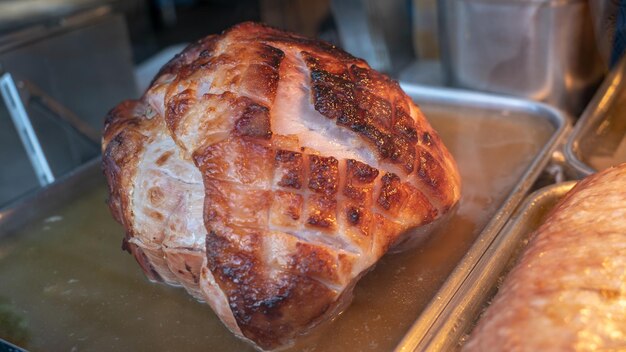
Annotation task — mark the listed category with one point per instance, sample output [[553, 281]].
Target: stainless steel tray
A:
[[64, 274], [598, 139], [427, 324], [463, 310]]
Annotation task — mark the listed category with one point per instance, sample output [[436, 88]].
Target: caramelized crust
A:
[[323, 175], [289, 169], [267, 172]]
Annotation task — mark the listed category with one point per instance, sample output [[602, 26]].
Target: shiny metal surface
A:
[[84, 65], [34, 94], [15, 14], [426, 325], [464, 308], [601, 128], [604, 18], [9, 347], [25, 130], [63, 190], [377, 31], [543, 50]]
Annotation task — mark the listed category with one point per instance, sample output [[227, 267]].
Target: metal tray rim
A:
[[422, 328], [595, 110], [34, 203], [470, 297]]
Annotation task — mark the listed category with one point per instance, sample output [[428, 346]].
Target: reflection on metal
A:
[[25, 129], [538, 49], [7, 346], [58, 110], [377, 31], [595, 142], [85, 16], [17, 14]]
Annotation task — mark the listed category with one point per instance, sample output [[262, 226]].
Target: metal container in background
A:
[[598, 140], [543, 50], [464, 308], [377, 31], [425, 29], [604, 14]]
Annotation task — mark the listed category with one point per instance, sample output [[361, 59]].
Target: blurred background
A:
[[65, 63]]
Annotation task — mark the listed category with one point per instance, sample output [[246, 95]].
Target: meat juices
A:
[[266, 173], [568, 291]]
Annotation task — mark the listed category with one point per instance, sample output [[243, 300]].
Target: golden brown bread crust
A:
[[289, 228], [568, 290]]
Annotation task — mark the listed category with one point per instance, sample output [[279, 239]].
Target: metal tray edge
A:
[[422, 329], [38, 202], [470, 299], [595, 110]]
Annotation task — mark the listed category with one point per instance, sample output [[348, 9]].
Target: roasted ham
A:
[[266, 173]]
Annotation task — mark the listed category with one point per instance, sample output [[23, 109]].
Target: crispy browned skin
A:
[[568, 291], [266, 172]]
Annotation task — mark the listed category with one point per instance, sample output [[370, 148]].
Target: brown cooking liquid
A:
[[66, 285]]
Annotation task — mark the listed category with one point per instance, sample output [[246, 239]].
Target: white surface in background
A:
[[145, 71], [424, 72]]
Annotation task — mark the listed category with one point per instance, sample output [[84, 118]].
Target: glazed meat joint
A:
[[266, 173]]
